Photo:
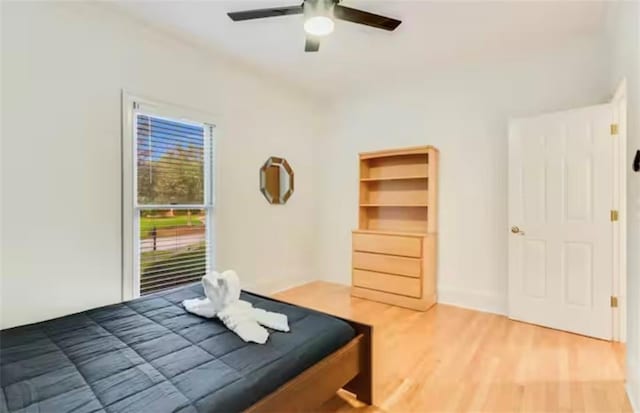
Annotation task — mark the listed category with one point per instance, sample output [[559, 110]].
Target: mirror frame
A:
[[282, 163]]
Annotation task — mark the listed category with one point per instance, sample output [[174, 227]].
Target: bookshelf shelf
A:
[[393, 205], [394, 178]]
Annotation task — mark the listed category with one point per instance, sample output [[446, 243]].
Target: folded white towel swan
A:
[[223, 301]]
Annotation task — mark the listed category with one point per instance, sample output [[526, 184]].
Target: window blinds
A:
[[173, 201]]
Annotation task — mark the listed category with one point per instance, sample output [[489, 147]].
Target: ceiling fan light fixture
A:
[[319, 18], [319, 25]]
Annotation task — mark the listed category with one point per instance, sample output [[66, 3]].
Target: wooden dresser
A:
[[394, 248]]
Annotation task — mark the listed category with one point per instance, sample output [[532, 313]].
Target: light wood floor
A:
[[450, 359]]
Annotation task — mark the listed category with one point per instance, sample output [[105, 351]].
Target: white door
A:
[[560, 236]]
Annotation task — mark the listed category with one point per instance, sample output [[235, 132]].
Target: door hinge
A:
[[614, 301], [614, 129], [614, 215]]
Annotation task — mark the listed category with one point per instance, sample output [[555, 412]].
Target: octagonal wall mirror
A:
[[276, 180]]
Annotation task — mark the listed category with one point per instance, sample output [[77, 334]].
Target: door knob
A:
[[516, 230]]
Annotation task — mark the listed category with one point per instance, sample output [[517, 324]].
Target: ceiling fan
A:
[[319, 16]]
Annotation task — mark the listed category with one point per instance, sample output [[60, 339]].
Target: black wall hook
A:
[[636, 162]]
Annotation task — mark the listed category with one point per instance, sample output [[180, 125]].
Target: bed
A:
[[149, 354]]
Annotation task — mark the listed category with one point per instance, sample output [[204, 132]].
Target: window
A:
[[172, 198]]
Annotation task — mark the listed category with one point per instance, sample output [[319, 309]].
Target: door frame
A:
[[619, 202], [619, 287]]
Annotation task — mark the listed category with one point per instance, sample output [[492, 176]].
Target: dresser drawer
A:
[[389, 283], [392, 264], [388, 244]]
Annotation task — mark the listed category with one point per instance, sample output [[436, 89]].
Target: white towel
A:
[[200, 306], [239, 318], [223, 301]]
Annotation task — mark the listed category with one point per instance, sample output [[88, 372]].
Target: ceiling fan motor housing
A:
[[314, 8]]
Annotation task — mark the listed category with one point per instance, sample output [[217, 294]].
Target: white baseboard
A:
[[269, 287], [474, 300]]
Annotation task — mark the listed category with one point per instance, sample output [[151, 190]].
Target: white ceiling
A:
[[433, 34]]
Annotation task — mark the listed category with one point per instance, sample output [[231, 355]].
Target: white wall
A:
[[624, 48], [63, 68], [62, 71], [464, 112]]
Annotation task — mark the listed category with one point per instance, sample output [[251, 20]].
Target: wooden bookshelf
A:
[[397, 223]]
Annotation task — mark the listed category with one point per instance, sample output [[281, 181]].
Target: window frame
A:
[[130, 211]]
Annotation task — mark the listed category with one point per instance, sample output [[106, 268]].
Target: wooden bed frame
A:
[[349, 368]]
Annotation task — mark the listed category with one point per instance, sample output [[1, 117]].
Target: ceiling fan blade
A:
[[261, 13], [364, 17], [311, 44]]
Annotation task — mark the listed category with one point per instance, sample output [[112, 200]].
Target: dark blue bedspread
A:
[[149, 355]]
